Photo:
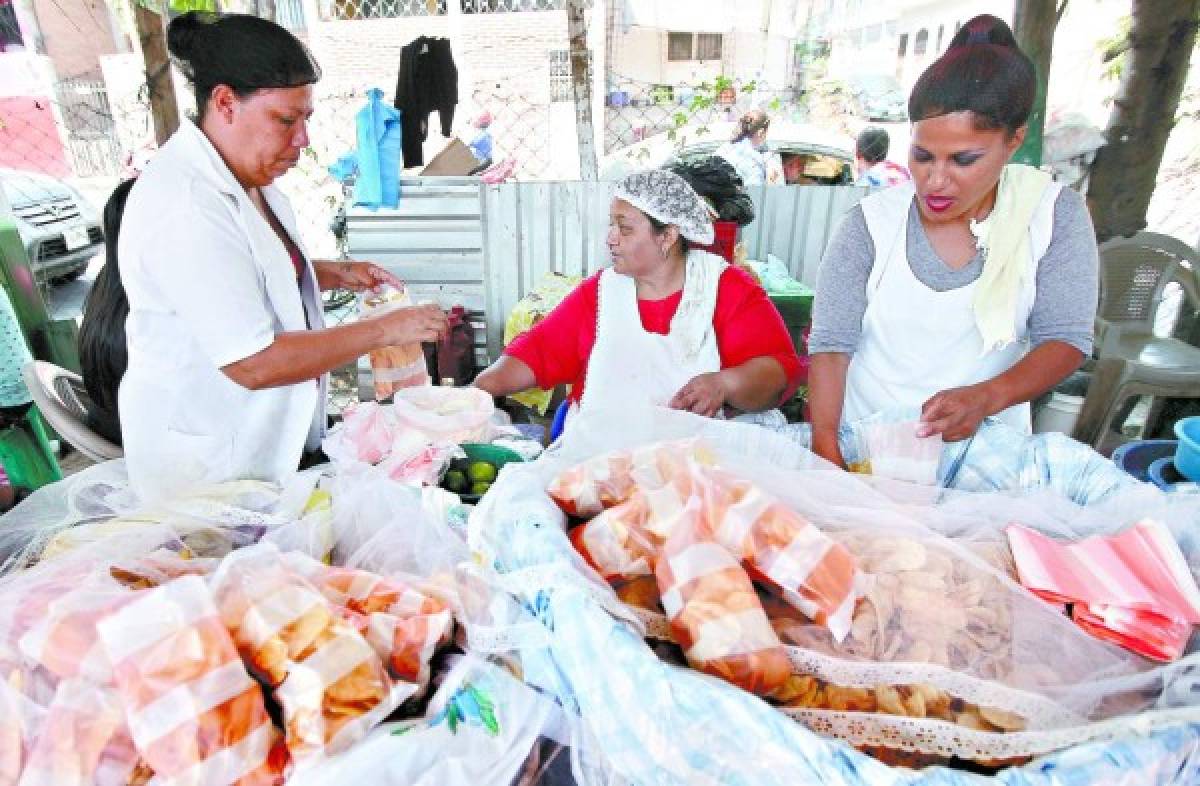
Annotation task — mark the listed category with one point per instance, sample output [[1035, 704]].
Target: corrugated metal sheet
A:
[[794, 223], [433, 239]]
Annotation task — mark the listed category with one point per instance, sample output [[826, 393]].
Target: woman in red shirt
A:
[[664, 325]]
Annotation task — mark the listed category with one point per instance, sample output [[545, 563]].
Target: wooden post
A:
[[581, 86], [153, 37]]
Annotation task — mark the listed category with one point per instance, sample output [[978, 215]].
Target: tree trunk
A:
[[1034, 23], [581, 88], [153, 37], [1161, 39]]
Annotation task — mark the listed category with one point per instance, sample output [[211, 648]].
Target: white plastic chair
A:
[[60, 396], [1130, 359]]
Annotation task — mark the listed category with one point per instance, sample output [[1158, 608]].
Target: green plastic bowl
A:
[[493, 454], [478, 451]]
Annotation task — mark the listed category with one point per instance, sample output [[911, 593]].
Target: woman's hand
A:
[[704, 394], [411, 325], [827, 447], [955, 414], [354, 275]]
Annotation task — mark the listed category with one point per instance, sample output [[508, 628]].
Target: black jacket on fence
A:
[[428, 80]]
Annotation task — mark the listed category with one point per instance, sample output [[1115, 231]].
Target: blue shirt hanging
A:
[[379, 136]]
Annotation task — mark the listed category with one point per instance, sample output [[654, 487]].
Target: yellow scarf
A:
[[1004, 238]]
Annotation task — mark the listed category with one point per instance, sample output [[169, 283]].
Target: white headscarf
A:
[[667, 197]]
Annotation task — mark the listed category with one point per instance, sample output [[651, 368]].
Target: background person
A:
[[103, 354], [747, 151], [871, 167], [969, 291], [228, 350]]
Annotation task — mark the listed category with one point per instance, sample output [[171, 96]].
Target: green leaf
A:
[[453, 717], [680, 119], [401, 731], [672, 134], [750, 87], [775, 105]]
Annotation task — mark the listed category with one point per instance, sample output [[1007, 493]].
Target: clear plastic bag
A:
[[395, 367], [700, 530], [404, 625], [332, 686], [371, 434], [192, 709], [446, 414], [84, 740]]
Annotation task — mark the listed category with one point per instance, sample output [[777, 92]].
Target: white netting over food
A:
[[946, 653]]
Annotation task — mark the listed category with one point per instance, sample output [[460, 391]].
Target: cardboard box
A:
[[456, 159]]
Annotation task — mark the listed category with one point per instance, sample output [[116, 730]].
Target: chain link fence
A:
[[637, 110]]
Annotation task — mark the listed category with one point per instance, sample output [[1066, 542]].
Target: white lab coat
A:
[[209, 283]]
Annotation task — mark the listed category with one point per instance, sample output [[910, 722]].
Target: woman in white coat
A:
[[228, 351], [970, 291]]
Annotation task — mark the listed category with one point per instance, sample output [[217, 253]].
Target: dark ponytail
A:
[[984, 72], [103, 357], [245, 52]]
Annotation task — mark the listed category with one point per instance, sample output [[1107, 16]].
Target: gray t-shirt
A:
[[1064, 306]]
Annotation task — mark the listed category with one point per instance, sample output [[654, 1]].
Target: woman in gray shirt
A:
[[970, 291]]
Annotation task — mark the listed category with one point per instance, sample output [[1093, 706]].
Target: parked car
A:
[[877, 97], [60, 228], [825, 157]]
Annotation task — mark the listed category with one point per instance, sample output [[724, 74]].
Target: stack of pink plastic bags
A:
[[1133, 588]]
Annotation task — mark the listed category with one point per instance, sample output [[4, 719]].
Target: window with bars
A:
[[560, 75], [708, 46], [921, 43], [679, 46], [387, 9], [502, 6], [694, 46]]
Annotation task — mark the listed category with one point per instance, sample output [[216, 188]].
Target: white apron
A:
[[631, 367], [916, 341]]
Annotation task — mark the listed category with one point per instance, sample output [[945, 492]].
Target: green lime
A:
[[480, 488], [455, 480], [481, 472]]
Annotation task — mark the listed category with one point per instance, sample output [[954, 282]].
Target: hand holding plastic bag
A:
[[396, 367]]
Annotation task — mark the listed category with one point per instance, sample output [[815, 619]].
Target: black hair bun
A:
[[184, 34], [985, 29]]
